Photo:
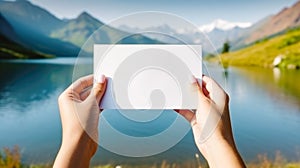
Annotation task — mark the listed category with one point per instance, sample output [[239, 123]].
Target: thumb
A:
[[99, 88]]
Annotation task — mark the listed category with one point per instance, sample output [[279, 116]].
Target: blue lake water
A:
[[264, 104]]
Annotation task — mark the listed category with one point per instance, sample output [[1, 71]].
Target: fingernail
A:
[[101, 79], [193, 79]]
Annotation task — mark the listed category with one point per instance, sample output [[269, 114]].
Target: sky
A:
[[198, 12]]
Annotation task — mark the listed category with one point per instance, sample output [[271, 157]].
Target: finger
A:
[[211, 84], [81, 84], [99, 88], [197, 87], [187, 114], [204, 90], [85, 94], [215, 91]]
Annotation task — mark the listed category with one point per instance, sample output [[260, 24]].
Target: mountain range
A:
[[36, 29], [211, 36], [39, 30], [239, 34]]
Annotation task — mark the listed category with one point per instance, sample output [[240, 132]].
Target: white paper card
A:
[[148, 76]]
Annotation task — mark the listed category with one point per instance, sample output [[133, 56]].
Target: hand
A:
[[79, 112], [211, 125]]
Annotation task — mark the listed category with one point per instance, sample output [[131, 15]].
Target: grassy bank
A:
[[11, 158], [263, 52]]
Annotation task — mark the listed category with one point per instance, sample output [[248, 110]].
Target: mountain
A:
[[161, 33], [23, 14], [283, 47], [171, 35], [78, 30], [220, 31], [239, 41], [9, 48], [287, 18], [224, 25], [32, 23], [218, 36]]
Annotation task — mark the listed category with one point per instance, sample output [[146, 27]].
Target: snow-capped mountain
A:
[[223, 25], [211, 36]]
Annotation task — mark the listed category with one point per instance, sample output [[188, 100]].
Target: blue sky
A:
[[197, 11]]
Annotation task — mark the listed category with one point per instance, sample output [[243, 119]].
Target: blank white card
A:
[[148, 76]]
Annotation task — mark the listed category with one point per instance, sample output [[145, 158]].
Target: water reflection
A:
[[281, 85], [22, 84], [265, 111], [28, 107]]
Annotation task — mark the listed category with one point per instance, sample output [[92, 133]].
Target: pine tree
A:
[[226, 47]]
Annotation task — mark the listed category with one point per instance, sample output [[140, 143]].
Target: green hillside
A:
[[11, 50], [263, 52]]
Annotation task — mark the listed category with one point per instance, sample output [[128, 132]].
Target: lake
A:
[[264, 104]]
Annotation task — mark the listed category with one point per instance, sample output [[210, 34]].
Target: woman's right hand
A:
[[211, 125]]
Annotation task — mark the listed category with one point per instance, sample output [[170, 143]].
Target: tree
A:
[[226, 47]]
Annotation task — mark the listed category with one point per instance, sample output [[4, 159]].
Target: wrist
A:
[[75, 151], [77, 142], [220, 151]]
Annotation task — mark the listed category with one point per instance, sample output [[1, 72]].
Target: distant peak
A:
[[223, 25], [86, 17], [84, 14]]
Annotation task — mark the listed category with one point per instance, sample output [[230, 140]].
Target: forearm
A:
[[222, 153], [75, 152]]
